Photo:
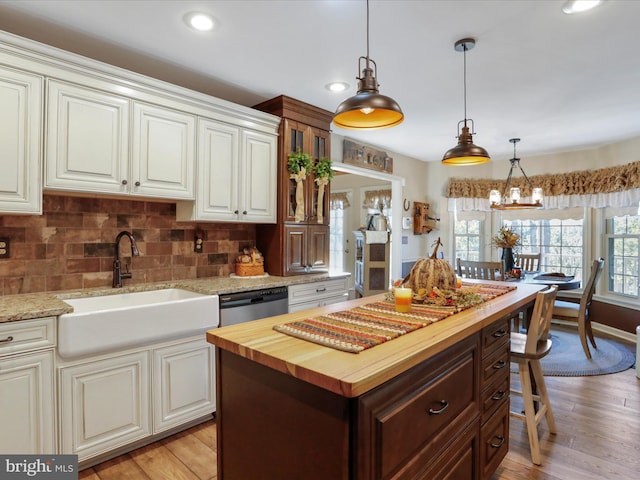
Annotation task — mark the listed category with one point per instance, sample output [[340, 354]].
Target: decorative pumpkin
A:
[[431, 272]]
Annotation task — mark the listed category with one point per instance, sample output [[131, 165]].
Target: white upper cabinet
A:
[[237, 177], [87, 140], [90, 135], [20, 141]]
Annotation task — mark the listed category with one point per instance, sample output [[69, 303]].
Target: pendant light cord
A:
[[367, 33], [464, 76]]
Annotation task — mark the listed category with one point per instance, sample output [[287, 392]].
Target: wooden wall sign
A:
[[355, 153]]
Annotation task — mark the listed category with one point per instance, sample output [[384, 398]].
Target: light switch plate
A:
[[407, 223]]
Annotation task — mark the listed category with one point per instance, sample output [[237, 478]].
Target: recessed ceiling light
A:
[[199, 21], [337, 86], [578, 6]]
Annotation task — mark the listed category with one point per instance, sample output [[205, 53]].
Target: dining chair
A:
[[481, 270], [529, 262], [527, 349], [579, 312]]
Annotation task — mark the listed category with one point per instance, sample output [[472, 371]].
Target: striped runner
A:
[[366, 326]]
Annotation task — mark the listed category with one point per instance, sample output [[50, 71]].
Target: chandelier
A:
[[500, 201]]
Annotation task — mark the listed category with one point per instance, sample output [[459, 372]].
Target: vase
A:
[[507, 259]]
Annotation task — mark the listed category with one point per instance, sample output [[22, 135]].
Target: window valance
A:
[[377, 199], [612, 186], [339, 200]]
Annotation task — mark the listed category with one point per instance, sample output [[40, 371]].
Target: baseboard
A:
[[598, 327]]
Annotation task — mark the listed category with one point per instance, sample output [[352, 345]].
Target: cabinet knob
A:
[[137, 184], [244, 212], [235, 211], [124, 182]]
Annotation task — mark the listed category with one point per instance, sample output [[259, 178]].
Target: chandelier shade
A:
[[500, 201], [465, 152], [368, 110]]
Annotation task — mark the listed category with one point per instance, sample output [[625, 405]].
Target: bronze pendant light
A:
[[500, 201], [368, 110], [465, 153]]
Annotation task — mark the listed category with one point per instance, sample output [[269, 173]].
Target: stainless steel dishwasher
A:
[[247, 306]]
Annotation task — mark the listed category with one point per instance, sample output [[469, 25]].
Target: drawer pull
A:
[[500, 364], [318, 290], [499, 395], [7, 340], [500, 442], [444, 404], [500, 333]]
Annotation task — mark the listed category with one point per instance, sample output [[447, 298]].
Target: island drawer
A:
[[494, 396], [415, 416], [496, 364], [494, 441], [27, 335], [495, 335]]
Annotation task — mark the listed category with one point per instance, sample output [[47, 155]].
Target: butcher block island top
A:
[[353, 374]]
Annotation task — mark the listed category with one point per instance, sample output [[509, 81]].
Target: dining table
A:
[[564, 282]]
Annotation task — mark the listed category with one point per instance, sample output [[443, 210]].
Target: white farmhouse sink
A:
[[115, 322]]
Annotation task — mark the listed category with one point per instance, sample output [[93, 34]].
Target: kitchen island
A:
[[429, 404]]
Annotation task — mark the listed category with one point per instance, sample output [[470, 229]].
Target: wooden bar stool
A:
[[526, 350]]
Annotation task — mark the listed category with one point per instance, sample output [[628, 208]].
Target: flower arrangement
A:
[[505, 238]]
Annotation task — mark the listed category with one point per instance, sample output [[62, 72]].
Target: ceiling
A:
[[559, 82]]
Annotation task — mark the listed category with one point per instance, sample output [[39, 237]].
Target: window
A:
[[338, 222], [560, 241], [623, 252], [466, 235]]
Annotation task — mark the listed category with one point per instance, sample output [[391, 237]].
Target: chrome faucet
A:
[[118, 276]]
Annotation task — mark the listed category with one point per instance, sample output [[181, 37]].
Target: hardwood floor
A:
[[598, 438]]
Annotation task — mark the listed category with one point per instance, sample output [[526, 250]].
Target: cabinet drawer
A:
[[494, 336], [458, 461], [27, 335], [494, 441], [496, 364], [494, 396], [313, 291], [418, 415]]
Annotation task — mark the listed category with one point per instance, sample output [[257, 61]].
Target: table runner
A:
[[368, 325]]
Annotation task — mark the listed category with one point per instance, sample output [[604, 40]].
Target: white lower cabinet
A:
[[104, 404], [27, 388], [183, 383], [27, 403], [108, 403], [318, 294]]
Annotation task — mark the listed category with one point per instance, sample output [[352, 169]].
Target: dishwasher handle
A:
[[227, 302]]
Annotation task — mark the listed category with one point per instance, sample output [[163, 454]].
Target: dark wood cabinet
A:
[[296, 247], [430, 422]]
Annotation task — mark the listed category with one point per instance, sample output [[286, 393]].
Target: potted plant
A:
[[323, 175], [300, 165]]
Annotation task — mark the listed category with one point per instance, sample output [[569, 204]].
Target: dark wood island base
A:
[[446, 416]]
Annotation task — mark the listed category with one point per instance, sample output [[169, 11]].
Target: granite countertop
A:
[[39, 305]]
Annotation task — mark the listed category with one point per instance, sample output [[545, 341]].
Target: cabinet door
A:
[[258, 178], [294, 138], [163, 152], [318, 248], [320, 147], [27, 402], [295, 249], [218, 160], [183, 383], [87, 140], [20, 137], [104, 404]]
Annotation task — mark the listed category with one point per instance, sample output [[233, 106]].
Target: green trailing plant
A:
[[299, 160], [322, 169]]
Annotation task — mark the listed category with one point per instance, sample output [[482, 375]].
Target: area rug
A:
[[567, 358]]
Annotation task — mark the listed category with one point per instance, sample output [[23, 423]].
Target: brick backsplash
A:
[[71, 245]]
